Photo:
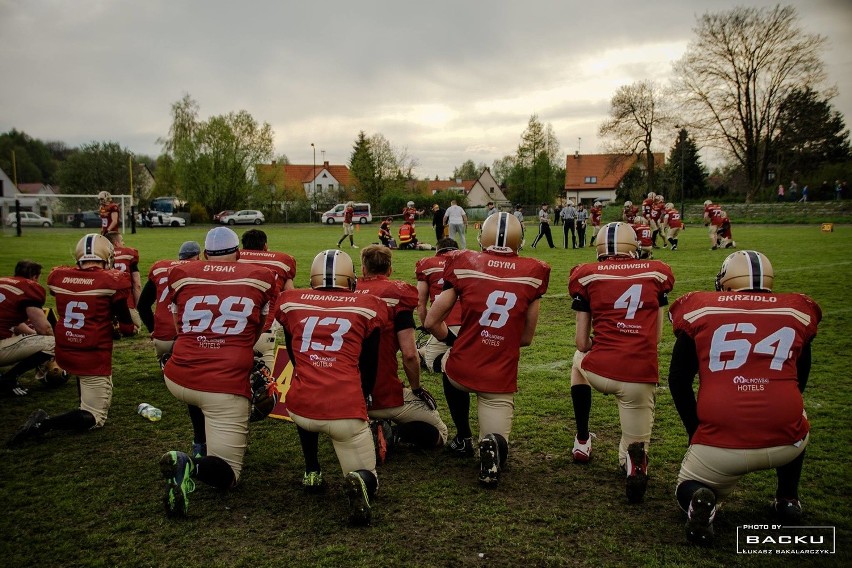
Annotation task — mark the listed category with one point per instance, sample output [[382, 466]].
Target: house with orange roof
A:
[[479, 191], [36, 197], [596, 177], [317, 183]]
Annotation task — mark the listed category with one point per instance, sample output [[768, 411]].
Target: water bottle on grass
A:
[[149, 412]]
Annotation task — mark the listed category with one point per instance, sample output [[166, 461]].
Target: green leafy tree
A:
[[735, 76], [538, 174], [363, 169], [99, 166], [502, 169], [468, 170], [379, 167], [683, 164], [214, 160], [34, 161]]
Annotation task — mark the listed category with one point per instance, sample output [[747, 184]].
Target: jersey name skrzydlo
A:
[[748, 345], [164, 322], [399, 297], [127, 260], [85, 304], [328, 329], [220, 309], [282, 264], [495, 290], [430, 269], [16, 295], [624, 297]]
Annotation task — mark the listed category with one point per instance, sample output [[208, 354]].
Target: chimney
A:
[[325, 164], [576, 154], [273, 162]]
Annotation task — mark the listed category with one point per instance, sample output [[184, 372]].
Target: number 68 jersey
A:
[[219, 309], [748, 345]]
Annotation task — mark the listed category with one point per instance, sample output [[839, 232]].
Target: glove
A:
[[451, 338], [426, 397]]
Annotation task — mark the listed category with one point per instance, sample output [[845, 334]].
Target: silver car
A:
[[28, 218], [243, 217]]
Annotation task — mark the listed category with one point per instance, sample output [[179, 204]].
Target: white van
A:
[[335, 214]]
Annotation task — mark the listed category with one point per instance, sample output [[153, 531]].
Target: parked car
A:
[[157, 219], [86, 219], [362, 214], [28, 218], [217, 218], [243, 217]]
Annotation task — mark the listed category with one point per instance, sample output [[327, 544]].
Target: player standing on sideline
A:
[[623, 298], [87, 298], [412, 408], [674, 224], [543, 226], [712, 220], [429, 272], [499, 293], [595, 213], [21, 301], [348, 225], [220, 306], [751, 349], [456, 219], [256, 251], [127, 260], [109, 212], [569, 224], [332, 336]]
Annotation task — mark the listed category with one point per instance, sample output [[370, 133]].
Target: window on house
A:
[[319, 186], [591, 179]]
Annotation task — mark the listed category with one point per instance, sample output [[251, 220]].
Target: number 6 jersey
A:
[[748, 345], [624, 297]]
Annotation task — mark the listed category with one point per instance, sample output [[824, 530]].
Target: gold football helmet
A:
[[95, 247], [333, 269], [745, 270], [501, 232], [616, 239]]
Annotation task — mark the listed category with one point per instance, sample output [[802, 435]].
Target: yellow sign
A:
[[827, 228]]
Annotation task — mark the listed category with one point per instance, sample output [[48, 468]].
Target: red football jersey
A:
[[328, 329], [713, 213], [16, 295], [629, 214], [348, 213], [85, 302], [430, 269], [220, 309], [624, 297], [747, 344], [647, 207], [495, 290], [408, 214], [164, 322], [127, 260], [282, 264], [399, 297], [674, 221], [643, 235], [595, 216], [106, 212], [657, 210], [724, 229]]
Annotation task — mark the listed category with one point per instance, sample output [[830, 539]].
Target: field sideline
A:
[[95, 499]]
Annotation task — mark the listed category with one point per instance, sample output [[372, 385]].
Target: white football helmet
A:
[[628, 204], [410, 204], [669, 205], [104, 197], [94, 247], [333, 269], [708, 202], [597, 203], [616, 239], [652, 195], [501, 232], [745, 270]]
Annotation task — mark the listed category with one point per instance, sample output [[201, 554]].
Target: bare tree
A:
[[636, 110], [736, 73]]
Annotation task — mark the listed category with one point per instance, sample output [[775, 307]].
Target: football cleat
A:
[[34, 426], [51, 374], [313, 482], [359, 502], [461, 447], [489, 461], [12, 387], [382, 432], [177, 468], [699, 523], [198, 451], [789, 510], [636, 467], [582, 451]]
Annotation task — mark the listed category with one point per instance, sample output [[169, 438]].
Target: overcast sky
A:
[[448, 80]]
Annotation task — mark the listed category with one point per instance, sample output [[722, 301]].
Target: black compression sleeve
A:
[[143, 306], [682, 372], [368, 362], [404, 320], [803, 366]]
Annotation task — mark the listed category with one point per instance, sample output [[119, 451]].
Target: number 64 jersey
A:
[[748, 345]]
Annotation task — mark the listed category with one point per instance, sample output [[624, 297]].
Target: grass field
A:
[[95, 499]]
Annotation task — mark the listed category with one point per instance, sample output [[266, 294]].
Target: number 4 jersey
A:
[[624, 297], [220, 309], [748, 345]]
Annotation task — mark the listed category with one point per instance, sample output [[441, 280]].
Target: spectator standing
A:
[[804, 198], [438, 221], [456, 218], [490, 209], [780, 196]]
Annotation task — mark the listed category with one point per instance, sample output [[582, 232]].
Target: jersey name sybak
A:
[[220, 308], [624, 297], [495, 290], [748, 344], [327, 330], [430, 270], [399, 297], [16, 295], [86, 300], [282, 264], [164, 322]]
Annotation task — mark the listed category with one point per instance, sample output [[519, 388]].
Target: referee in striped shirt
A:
[[581, 216]]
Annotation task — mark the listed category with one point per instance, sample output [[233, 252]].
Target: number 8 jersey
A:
[[624, 297], [748, 345]]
